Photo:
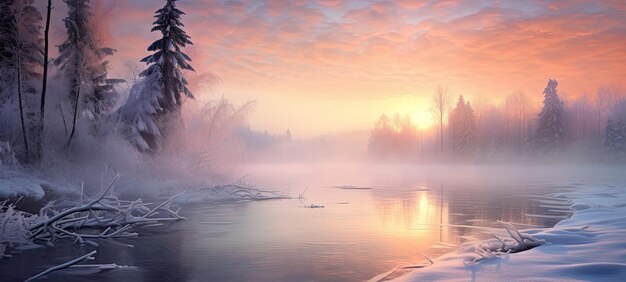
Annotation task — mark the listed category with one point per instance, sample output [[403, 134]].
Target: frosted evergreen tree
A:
[[20, 66], [82, 60], [168, 59], [7, 50], [153, 109], [614, 140], [463, 126], [470, 130], [456, 124], [551, 125]]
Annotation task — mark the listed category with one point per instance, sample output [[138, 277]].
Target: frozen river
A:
[[368, 225]]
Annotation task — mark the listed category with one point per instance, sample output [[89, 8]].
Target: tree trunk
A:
[[441, 134], [44, 79], [19, 92], [77, 90]]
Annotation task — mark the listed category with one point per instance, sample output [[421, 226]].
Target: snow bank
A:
[[13, 183], [591, 245], [20, 185]]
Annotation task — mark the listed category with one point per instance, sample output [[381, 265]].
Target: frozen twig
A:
[[117, 217], [64, 265], [301, 197], [242, 189], [517, 242]]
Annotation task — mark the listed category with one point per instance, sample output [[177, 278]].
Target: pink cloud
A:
[[389, 47]]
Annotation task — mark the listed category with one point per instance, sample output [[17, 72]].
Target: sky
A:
[[328, 66]]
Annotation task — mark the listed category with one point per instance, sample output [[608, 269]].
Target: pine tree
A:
[[551, 126], [82, 60], [456, 124], [7, 57], [470, 131], [463, 127], [20, 63], [153, 109], [614, 140], [168, 59]]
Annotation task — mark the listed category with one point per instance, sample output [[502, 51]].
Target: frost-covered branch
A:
[[101, 218], [64, 265], [242, 189], [517, 242], [118, 217]]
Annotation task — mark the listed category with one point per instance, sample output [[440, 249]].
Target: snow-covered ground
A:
[[20, 186], [589, 246]]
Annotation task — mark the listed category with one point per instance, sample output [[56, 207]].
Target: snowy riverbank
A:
[[589, 246]]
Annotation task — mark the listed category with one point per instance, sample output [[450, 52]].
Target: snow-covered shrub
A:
[[138, 116], [14, 227], [614, 141]]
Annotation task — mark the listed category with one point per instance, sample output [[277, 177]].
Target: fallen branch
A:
[[517, 242], [64, 265], [84, 221], [239, 190]]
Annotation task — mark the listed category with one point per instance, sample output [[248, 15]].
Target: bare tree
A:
[[581, 118], [44, 80], [481, 106], [517, 106], [605, 98], [21, 36], [439, 108], [20, 93]]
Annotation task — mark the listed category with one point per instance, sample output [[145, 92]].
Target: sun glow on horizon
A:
[[415, 106], [350, 62], [422, 119]]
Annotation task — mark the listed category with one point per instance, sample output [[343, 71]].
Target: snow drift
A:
[[591, 245]]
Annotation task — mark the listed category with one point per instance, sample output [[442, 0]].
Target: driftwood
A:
[[104, 217], [62, 266], [85, 221], [243, 189]]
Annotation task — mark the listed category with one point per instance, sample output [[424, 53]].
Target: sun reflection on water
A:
[[421, 216]]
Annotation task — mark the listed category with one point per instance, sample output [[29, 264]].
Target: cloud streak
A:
[[368, 50]]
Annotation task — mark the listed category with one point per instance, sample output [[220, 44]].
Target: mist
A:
[[311, 141]]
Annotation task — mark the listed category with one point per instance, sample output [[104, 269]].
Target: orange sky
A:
[[328, 65]]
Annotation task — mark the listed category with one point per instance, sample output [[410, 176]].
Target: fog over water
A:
[[312, 140], [369, 219]]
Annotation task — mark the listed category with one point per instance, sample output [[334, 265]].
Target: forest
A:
[[587, 128], [67, 108], [69, 130]]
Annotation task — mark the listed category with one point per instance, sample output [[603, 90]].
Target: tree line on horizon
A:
[[470, 132]]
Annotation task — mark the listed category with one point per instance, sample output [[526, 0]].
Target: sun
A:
[[416, 106], [422, 119]]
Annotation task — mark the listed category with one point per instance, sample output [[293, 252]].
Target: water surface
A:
[[368, 225]]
